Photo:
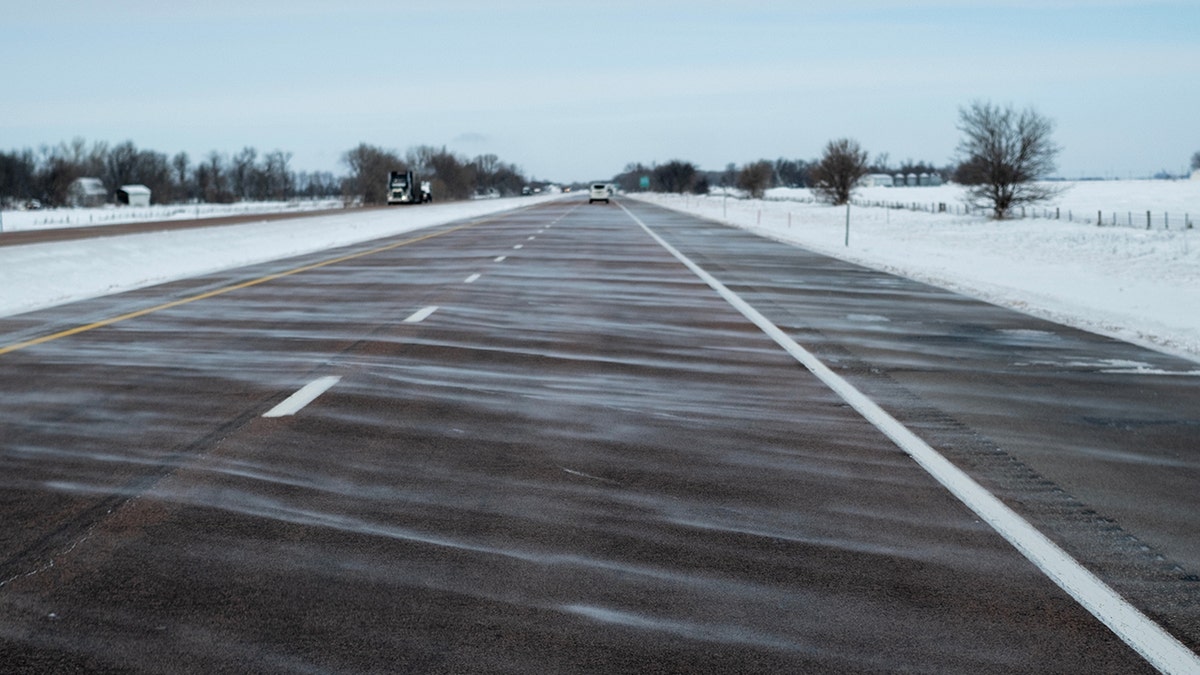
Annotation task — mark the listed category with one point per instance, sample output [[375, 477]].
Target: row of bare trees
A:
[[1001, 157], [46, 175], [1003, 154]]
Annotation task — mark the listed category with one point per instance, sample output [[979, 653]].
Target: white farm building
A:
[[86, 192], [134, 195]]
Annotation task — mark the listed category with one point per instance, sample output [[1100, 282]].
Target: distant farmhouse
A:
[[86, 192], [134, 195]]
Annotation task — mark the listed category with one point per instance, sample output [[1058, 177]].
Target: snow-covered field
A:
[[1170, 203], [1135, 284], [1138, 285]]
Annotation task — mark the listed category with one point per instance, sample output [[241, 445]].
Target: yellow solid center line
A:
[[225, 289]]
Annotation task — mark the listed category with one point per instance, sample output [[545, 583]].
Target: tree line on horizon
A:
[[756, 177], [1002, 156], [46, 175]]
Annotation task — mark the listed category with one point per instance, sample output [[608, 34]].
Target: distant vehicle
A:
[[526, 191], [404, 188], [599, 192]]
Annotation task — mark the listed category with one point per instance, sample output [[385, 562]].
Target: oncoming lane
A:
[[583, 460]]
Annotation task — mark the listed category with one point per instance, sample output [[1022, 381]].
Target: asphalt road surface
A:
[[540, 442]]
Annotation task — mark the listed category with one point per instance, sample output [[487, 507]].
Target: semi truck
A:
[[404, 188]]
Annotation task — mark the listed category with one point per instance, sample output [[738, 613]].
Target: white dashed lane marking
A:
[[307, 394]]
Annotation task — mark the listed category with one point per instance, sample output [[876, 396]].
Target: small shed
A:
[[134, 195], [86, 192]]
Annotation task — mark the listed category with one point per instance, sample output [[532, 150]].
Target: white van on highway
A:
[[599, 193]]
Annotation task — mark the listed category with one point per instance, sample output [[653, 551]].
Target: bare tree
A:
[[317, 184], [369, 167], [1196, 161], [675, 176], [18, 176], [756, 177], [55, 179], [793, 172], [212, 181], [180, 164], [840, 168], [120, 165], [241, 172], [279, 182], [153, 170], [1003, 152], [452, 177], [492, 174]]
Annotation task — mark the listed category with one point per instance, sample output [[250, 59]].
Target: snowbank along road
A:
[[588, 438]]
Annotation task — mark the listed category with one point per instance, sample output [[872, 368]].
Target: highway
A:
[[588, 438]]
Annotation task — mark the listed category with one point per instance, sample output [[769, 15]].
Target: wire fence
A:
[[1150, 220]]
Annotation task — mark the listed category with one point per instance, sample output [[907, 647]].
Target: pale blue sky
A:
[[575, 91]]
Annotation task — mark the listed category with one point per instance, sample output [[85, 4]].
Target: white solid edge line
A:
[[307, 394], [421, 314], [1149, 639]]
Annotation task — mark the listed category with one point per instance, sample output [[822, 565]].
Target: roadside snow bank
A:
[[49, 219]]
